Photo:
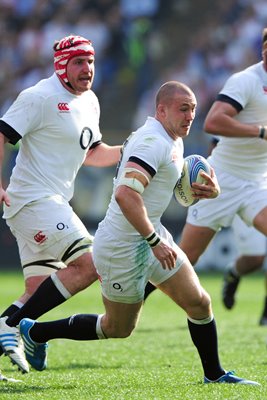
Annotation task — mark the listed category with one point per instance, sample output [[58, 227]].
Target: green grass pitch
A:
[[157, 362]]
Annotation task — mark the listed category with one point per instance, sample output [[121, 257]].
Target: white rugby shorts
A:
[[125, 266], [249, 241], [238, 196], [49, 236]]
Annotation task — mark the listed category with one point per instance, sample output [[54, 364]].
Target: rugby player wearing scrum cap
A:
[[57, 124]]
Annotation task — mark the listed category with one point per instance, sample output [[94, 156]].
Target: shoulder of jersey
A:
[[192, 167]]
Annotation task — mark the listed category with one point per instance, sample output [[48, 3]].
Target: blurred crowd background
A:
[[139, 45]]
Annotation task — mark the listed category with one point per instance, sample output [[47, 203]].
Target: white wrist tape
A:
[[133, 182], [153, 239]]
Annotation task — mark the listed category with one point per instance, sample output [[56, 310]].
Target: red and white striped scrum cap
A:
[[68, 47]]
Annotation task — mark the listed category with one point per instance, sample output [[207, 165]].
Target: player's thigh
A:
[[260, 221], [185, 290], [194, 241], [120, 318]]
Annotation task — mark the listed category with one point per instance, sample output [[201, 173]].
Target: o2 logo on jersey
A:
[[61, 226], [117, 286], [86, 138]]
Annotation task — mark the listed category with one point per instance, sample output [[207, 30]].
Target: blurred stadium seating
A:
[[139, 45]]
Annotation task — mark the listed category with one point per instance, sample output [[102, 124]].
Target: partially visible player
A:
[[251, 247], [238, 116]]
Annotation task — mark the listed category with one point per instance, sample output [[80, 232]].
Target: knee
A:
[[246, 264], [116, 331], [89, 273], [205, 301], [32, 284], [256, 262], [192, 253], [121, 334], [200, 305], [84, 271], [86, 277]]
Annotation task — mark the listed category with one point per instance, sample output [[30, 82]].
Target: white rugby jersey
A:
[[56, 129], [153, 149], [245, 157]]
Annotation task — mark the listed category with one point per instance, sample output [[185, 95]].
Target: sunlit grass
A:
[[157, 362]]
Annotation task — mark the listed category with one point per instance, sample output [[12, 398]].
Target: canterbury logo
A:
[[63, 107], [40, 237]]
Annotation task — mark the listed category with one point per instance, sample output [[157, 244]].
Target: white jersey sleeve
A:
[[239, 88], [25, 114]]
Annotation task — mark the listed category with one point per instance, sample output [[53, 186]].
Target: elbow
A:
[[120, 195], [124, 196], [209, 126]]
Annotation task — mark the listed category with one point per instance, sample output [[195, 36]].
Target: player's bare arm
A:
[[3, 195], [208, 190], [103, 155], [220, 121], [128, 196]]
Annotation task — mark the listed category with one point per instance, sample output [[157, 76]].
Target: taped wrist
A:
[[153, 239]]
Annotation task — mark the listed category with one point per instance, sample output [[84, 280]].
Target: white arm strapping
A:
[[132, 183]]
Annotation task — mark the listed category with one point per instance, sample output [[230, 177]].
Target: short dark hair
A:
[[168, 90]]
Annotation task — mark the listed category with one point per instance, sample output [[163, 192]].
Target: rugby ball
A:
[[192, 167]]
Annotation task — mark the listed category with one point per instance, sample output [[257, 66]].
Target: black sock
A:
[[233, 272], [149, 289], [46, 297], [264, 313], [205, 339], [76, 327], [9, 311]]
